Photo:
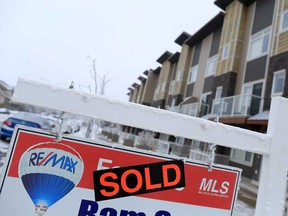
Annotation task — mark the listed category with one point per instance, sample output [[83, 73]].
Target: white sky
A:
[[49, 40]]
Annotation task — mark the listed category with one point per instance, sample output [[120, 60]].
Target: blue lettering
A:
[[88, 208], [54, 160], [70, 165], [40, 157], [32, 158], [162, 213], [131, 213], [108, 212]]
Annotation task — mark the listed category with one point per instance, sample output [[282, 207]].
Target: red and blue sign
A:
[[57, 179]]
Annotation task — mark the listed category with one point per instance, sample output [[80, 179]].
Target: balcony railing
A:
[[204, 156], [193, 109], [236, 106]]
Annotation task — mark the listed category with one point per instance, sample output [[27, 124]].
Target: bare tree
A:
[[100, 81]]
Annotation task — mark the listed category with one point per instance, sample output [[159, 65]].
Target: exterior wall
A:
[[194, 61], [233, 34], [247, 25], [149, 89], [278, 62], [255, 69], [183, 68], [227, 81], [204, 55], [280, 39], [140, 93], [164, 79], [134, 95]]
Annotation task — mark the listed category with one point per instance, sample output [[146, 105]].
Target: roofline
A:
[[174, 58], [164, 57], [207, 29], [157, 70], [224, 3], [182, 38]]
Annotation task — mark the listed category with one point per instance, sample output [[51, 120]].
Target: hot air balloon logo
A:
[[49, 171]]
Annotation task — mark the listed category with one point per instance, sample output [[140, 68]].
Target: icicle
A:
[[212, 149]]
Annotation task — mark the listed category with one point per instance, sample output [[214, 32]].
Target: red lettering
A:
[[165, 175], [149, 186], [109, 184], [124, 182]]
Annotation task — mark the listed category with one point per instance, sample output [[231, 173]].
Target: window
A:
[[218, 93], [179, 75], [284, 21], [211, 66], [278, 83], [171, 88], [204, 97], [226, 49], [193, 74], [259, 44], [242, 157]]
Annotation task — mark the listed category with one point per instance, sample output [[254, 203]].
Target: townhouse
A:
[[230, 68]]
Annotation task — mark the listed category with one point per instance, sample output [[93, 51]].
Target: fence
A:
[[272, 183]]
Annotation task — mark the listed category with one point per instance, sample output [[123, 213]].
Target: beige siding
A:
[[204, 55], [149, 89], [183, 68], [280, 40], [244, 47], [164, 82], [134, 95], [233, 34]]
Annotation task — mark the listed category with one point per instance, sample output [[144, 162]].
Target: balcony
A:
[[236, 106], [192, 109], [204, 157]]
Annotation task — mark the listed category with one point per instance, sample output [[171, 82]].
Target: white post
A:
[[272, 184]]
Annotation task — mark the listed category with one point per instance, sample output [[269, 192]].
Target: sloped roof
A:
[[207, 29]]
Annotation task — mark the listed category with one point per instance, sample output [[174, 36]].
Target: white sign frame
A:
[[272, 183]]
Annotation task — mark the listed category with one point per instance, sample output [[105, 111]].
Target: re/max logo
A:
[[52, 159]]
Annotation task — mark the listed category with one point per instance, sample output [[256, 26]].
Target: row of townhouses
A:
[[230, 68]]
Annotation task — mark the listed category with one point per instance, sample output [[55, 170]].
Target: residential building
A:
[[230, 68]]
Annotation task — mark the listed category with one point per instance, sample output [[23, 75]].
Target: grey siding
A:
[[255, 69], [189, 91], [278, 62], [215, 42], [178, 99], [208, 84], [196, 55], [263, 15]]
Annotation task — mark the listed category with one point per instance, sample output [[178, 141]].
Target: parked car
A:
[[23, 118]]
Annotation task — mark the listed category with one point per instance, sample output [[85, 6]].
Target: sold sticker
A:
[[140, 179]]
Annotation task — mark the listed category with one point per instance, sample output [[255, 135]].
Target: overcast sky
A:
[[49, 40]]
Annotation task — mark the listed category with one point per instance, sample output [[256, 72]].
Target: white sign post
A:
[[271, 195]]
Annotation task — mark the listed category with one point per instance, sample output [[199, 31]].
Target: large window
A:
[[193, 74], [259, 44], [278, 83], [284, 21], [243, 157], [211, 66]]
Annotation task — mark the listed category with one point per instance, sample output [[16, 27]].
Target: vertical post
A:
[[272, 183]]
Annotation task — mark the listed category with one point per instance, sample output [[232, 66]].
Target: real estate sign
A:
[[51, 179]]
